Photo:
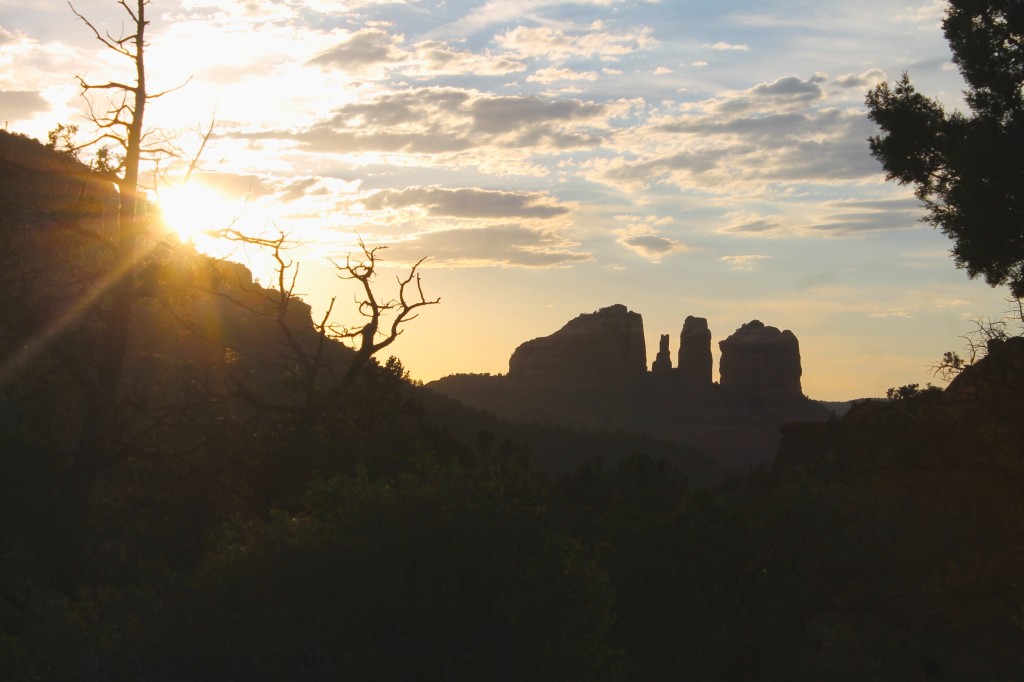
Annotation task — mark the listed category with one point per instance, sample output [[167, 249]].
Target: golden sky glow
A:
[[551, 158], [193, 209]]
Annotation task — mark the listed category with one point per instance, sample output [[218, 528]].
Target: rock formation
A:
[[662, 364], [761, 364], [599, 347], [695, 354], [592, 374]]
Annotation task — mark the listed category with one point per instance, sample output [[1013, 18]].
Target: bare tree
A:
[[117, 112], [378, 332], [322, 383], [977, 342], [122, 124]]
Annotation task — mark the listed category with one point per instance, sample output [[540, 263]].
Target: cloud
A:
[[467, 203], [21, 104], [436, 58], [744, 148], [499, 245], [651, 246], [745, 262], [642, 237], [504, 114], [849, 218], [951, 303], [446, 120], [239, 185], [239, 11], [769, 128], [373, 51], [929, 12], [552, 75], [788, 94], [868, 79], [753, 225], [361, 49], [504, 12], [891, 312], [557, 45], [856, 217], [722, 45], [338, 6], [788, 90]]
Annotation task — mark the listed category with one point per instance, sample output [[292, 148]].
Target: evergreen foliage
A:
[[967, 169]]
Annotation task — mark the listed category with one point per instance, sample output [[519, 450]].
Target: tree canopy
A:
[[967, 168]]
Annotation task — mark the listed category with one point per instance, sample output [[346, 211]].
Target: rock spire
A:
[[695, 354]]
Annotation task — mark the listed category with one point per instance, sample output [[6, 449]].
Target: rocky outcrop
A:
[[996, 378], [695, 354], [607, 345], [662, 365], [761, 364]]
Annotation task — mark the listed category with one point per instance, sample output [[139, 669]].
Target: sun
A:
[[193, 209]]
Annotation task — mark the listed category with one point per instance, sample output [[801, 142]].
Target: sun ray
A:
[[75, 311], [195, 209]]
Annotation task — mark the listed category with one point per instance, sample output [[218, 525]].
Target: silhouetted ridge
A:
[[592, 374]]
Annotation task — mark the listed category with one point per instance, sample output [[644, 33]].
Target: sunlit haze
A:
[[192, 209], [549, 159]]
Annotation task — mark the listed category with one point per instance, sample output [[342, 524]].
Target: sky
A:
[[548, 159]]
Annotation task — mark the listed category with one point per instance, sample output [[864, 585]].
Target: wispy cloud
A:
[[554, 75], [454, 126], [495, 12], [724, 46], [558, 44], [467, 203], [772, 135], [744, 262], [891, 312], [501, 245]]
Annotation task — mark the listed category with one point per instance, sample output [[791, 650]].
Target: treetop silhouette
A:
[[967, 169]]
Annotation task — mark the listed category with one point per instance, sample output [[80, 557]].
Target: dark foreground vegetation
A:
[[243, 507], [200, 482]]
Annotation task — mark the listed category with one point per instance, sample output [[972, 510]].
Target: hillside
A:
[[245, 508]]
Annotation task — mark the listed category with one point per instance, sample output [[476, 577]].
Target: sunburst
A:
[[194, 209]]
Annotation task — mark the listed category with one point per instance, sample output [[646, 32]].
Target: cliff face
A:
[[761, 364], [607, 345]]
